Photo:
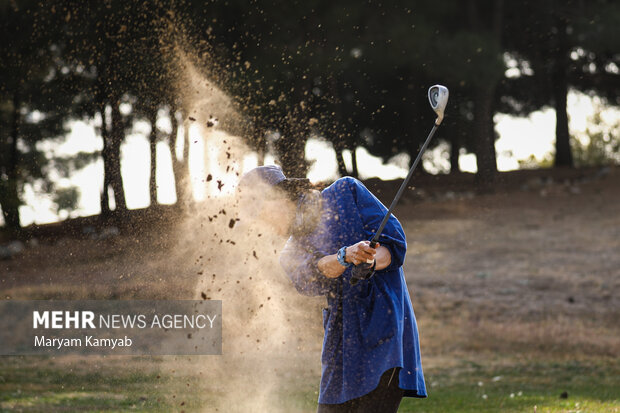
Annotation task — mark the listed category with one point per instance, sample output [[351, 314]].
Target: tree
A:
[[31, 107], [561, 46]]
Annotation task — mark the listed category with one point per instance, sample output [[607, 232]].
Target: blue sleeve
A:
[[300, 266], [372, 212]]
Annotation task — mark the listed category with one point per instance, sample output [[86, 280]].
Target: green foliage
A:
[[599, 145], [534, 163], [356, 73], [66, 199], [65, 166]]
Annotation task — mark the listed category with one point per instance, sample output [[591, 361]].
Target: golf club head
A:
[[438, 98]]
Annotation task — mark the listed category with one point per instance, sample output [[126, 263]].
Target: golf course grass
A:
[[38, 384]]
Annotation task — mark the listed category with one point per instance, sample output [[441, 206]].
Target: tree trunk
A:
[[342, 168], [261, 144], [107, 166], [484, 128], [9, 195], [485, 139], [185, 173], [291, 149], [117, 135], [177, 165], [354, 169], [563, 154], [153, 152], [339, 147], [454, 156]]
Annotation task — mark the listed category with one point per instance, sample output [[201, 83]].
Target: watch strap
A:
[[342, 252]]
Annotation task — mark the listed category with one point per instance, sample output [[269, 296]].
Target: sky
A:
[[520, 138]]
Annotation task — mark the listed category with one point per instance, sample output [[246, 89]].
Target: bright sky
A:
[[519, 139]]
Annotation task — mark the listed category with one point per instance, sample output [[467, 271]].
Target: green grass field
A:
[[37, 384]]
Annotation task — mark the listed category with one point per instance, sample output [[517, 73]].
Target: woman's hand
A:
[[361, 252], [355, 254]]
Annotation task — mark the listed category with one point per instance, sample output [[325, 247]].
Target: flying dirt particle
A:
[[258, 340], [200, 272], [260, 306], [158, 376], [227, 155], [231, 223], [268, 298], [571, 300], [564, 395], [237, 281], [189, 335], [203, 295], [260, 235], [183, 403], [209, 177], [222, 211], [219, 185], [210, 219], [254, 254], [192, 119], [210, 124], [228, 168]]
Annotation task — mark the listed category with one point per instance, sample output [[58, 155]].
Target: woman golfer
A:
[[371, 352]]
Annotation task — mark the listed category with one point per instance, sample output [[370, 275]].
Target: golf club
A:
[[438, 98]]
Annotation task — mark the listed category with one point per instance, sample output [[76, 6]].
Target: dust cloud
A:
[[272, 335]]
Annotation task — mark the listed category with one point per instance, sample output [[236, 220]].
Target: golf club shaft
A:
[[375, 238]]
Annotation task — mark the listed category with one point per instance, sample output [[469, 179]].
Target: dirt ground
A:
[[533, 268]]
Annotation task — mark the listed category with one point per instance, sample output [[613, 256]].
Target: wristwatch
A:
[[342, 253]]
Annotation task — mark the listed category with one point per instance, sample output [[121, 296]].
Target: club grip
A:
[[373, 244]]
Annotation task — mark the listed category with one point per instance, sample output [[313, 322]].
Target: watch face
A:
[[340, 255]]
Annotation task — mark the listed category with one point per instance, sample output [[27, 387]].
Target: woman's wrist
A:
[[341, 256], [329, 266]]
